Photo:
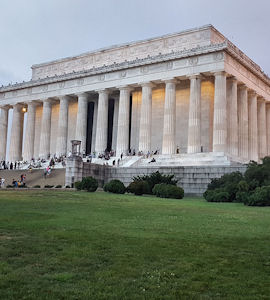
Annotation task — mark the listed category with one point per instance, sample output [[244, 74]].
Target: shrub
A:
[[67, 187], [47, 186], [36, 186], [59, 186], [217, 195], [258, 175], [89, 184], [227, 183], [260, 197], [115, 186], [10, 186], [164, 190], [78, 185], [139, 187], [156, 178]]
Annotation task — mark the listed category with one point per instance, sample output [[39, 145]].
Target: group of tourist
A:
[[20, 182], [10, 165]]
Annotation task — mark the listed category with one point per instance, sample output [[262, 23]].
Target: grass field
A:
[[76, 245]]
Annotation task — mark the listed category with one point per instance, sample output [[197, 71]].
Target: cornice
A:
[[246, 61]]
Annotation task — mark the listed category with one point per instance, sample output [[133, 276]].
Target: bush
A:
[[217, 195], [59, 186], [260, 197], [89, 184], [115, 186], [156, 178], [47, 186], [164, 190], [139, 188], [78, 185], [36, 186], [228, 183], [258, 175], [67, 187], [10, 186]]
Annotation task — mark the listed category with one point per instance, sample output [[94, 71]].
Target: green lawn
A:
[[77, 245]]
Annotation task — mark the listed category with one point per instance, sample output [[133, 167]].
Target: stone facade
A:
[[192, 90], [193, 180]]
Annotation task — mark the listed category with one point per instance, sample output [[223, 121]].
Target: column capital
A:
[[195, 76], [82, 95], [5, 107], [32, 103], [65, 97], [220, 73], [242, 87], [103, 91], [170, 80], [17, 105], [125, 88], [147, 84], [232, 79], [47, 101], [252, 93], [261, 99]]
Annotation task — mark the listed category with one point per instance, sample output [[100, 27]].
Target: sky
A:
[[36, 31]]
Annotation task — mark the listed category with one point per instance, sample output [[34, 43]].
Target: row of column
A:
[[247, 123], [239, 123]]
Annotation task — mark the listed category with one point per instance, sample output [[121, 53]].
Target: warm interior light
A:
[[24, 109]]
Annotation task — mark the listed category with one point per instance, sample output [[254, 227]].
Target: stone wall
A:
[[193, 180]]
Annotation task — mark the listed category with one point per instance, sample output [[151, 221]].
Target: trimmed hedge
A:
[[156, 178], [139, 188], [115, 186], [47, 186], [164, 190], [89, 184]]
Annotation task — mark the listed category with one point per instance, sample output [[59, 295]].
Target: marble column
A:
[[45, 135], [3, 131], [262, 128], [194, 121], [61, 146], [220, 114], [146, 118], [243, 122], [252, 126], [28, 151], [168, 143], [15, 149], [232, 117], [81, 124], [268, 128], [122, 140], [115, 123], [102, 121]]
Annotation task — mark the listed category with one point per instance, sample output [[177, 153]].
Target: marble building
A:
[[194, 91]]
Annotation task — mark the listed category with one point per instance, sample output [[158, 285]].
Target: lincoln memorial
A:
[[185, 93]]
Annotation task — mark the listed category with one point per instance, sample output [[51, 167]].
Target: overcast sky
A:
[[36, 31]]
